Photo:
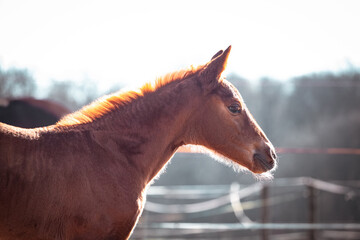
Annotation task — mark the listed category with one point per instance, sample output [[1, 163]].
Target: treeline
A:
[[19, 83]]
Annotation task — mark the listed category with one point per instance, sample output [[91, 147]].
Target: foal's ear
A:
[[210, 75], [217, 54]]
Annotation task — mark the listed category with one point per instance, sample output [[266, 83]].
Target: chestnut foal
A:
[[86, 176]]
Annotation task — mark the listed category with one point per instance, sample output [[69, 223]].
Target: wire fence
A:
[[164, 219]]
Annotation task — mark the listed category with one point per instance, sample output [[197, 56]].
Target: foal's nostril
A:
[[273, 154]]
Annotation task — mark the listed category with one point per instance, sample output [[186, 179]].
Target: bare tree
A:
[[15, 83]]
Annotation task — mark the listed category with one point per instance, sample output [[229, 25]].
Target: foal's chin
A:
[[261, 167], [254, 167], [259, 172], [263, 172]]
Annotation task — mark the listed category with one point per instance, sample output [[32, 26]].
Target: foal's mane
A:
[[109, 103]]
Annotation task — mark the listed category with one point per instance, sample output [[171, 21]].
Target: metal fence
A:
[[185, 212]]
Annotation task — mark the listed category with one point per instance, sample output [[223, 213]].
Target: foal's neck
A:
[[151, 127], [165, 124]]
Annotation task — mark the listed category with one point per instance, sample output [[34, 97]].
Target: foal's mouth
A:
[[266, 163]]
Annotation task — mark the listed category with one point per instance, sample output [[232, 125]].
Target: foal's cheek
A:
[[238, 124]]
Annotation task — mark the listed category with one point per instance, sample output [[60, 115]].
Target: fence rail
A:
[[221, 199], [257, 226], [183, 191]]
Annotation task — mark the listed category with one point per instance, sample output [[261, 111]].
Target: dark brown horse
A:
[[86, 177], [30, 112]]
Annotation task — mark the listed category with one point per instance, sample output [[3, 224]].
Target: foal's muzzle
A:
[[266, 158]]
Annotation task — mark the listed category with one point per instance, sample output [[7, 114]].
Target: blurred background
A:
[[296, 64]]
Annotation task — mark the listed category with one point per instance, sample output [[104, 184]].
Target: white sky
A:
[[130, 42]]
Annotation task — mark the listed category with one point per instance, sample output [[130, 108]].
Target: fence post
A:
[[312, 208], [265, 210]]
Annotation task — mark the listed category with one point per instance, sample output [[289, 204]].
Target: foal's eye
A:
[[235, 108]]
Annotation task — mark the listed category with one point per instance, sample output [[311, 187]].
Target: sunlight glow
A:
[[127, 42]]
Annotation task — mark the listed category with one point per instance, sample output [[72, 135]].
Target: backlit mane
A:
[[109, 103]]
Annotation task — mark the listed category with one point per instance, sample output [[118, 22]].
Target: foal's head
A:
[[225, 124]]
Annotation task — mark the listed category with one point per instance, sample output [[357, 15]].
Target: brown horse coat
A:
[[86, 176]]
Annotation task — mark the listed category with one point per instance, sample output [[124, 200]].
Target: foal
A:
[[86, 176]]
